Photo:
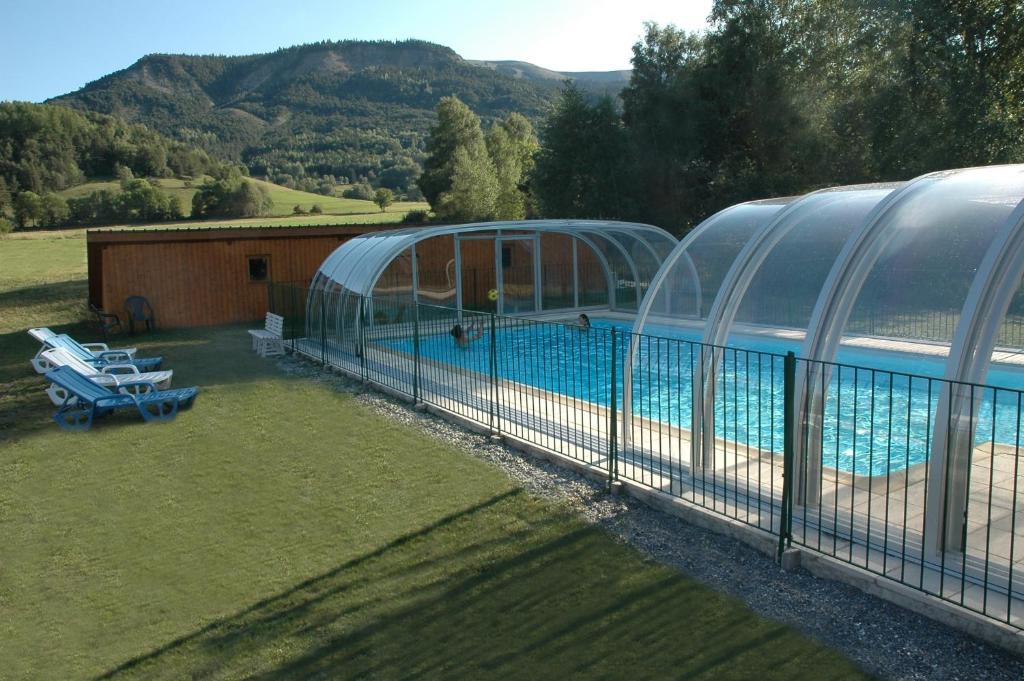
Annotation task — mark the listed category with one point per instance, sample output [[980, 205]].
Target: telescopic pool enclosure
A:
[[842, 370]]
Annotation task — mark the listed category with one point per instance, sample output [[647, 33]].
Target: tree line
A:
[[777, 97], [45, 149]]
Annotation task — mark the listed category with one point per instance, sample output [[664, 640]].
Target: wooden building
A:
[[209, 275]]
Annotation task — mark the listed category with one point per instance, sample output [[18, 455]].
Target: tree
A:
[[583, 167], [5, 197], [231, 197], [28, 207], [457, 128], [53, 211], [317, 209], [511, 144], [298, 210], [6, 226], [123, 173], [383, 198], [474, 188]]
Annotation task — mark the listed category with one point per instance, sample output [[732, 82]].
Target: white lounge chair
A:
[[46, 337], [115, 376]]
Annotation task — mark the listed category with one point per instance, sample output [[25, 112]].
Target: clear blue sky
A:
[[49, 47]]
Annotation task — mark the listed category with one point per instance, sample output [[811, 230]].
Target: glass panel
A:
[[394, 291], [1007, 367], [435, 271], [934, 238], [556, 271], [479, 279], [695, 275], [785, 288], [591, 276], [517, 280]]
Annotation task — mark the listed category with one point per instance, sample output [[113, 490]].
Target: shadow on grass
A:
[[63, 292], [507, 588]]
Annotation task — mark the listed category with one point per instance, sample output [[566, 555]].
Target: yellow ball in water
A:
[[492, 295]]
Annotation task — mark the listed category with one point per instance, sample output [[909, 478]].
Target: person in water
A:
[[583, 321], [464, 336]]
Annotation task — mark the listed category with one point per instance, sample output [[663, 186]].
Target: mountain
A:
[[352, 110], [598, 82]]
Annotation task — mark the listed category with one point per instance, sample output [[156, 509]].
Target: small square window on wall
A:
[[259, 268]]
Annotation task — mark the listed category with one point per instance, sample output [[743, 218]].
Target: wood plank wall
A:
[[203, 282]]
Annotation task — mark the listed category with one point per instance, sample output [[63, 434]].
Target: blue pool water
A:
[[876, 422]]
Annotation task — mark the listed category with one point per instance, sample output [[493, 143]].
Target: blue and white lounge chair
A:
[[114, 376], [92, 400], [97, 358], [43, 334]]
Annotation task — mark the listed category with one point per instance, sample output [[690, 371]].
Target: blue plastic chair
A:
[[88, 400], [139, 310]]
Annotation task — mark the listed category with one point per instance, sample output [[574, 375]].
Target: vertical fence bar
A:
[[416, 353], [323, 328], [613, 440], [786, 521], [361, 338], [493, 370]]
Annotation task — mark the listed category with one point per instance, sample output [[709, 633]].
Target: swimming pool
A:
[[876, 422]]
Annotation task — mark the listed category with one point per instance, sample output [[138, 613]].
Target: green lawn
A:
[[282, 530], [285, 200]]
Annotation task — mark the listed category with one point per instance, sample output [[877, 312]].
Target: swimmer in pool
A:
[[465, 336], [583, 321]]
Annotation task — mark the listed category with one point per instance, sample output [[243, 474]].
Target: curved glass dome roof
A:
[[921, 263], [627, 248], [523, 267]]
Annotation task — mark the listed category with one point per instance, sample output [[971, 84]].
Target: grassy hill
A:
[[285, 199]]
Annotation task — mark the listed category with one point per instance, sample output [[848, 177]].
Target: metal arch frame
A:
[[723, 311], [657, 260], [737, 281], [995, 284], [831, 312], [681, 250], [612, 296]]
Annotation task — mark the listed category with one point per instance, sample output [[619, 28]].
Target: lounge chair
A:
[[97, 358], [44, 335], [114, 376], [92, 400]]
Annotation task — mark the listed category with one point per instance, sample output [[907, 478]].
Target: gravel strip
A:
[[883, 639]]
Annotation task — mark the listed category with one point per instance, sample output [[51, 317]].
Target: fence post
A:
[[494, 378], [788, 438], [613, 421], [416, 353], [323, 328]]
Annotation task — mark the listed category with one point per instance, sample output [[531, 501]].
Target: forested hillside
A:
[[50, 148], [327, 113]]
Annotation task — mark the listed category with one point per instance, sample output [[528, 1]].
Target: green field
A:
[[393, 215], [281, 529], [285, 200]]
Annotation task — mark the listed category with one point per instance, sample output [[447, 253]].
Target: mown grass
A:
[[281, 530], [284, 199]]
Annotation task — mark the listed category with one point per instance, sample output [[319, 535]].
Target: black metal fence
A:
[[858, 477]]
